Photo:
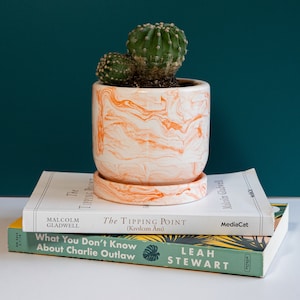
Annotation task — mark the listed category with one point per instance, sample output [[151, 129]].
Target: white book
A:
[[235, 204]]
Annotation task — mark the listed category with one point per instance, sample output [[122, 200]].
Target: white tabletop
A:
[[28, 276]]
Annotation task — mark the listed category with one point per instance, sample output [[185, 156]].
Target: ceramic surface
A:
[[151, 136], [137, 194]]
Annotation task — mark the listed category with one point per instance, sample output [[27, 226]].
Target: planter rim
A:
[[191, 84]]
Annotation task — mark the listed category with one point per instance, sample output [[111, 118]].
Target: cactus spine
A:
[[115, 69], [155, 52], [158, 49]]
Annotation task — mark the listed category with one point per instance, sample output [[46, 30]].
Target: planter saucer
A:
[[136, 194]]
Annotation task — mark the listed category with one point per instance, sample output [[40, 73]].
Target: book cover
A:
[[240, 255], [65, 202]]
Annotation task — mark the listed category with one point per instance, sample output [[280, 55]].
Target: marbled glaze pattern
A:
[[151, 136], [150, 194], [150, 146]]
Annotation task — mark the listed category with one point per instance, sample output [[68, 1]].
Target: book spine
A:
[[128, 250], [64, 222]]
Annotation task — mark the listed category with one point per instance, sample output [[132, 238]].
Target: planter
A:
[[150, 145]]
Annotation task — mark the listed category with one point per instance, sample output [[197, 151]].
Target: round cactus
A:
[[158, 49], [115, 69]]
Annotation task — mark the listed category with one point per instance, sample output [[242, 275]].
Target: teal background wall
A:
[[247, 50]]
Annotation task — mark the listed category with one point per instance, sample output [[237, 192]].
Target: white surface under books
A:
[[27, 276]]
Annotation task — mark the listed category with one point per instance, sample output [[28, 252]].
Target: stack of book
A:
[[234, 229]]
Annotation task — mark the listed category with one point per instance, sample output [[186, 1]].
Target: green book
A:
[[241, 255]]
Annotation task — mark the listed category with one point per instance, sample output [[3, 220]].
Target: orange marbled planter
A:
[[150, 145]]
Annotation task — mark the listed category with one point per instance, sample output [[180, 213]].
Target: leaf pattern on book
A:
[[232, 242], [255, 243], [151, 253]]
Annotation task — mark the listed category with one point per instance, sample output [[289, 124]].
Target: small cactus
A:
[[158, 49], [155, 52], [115, 69]]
